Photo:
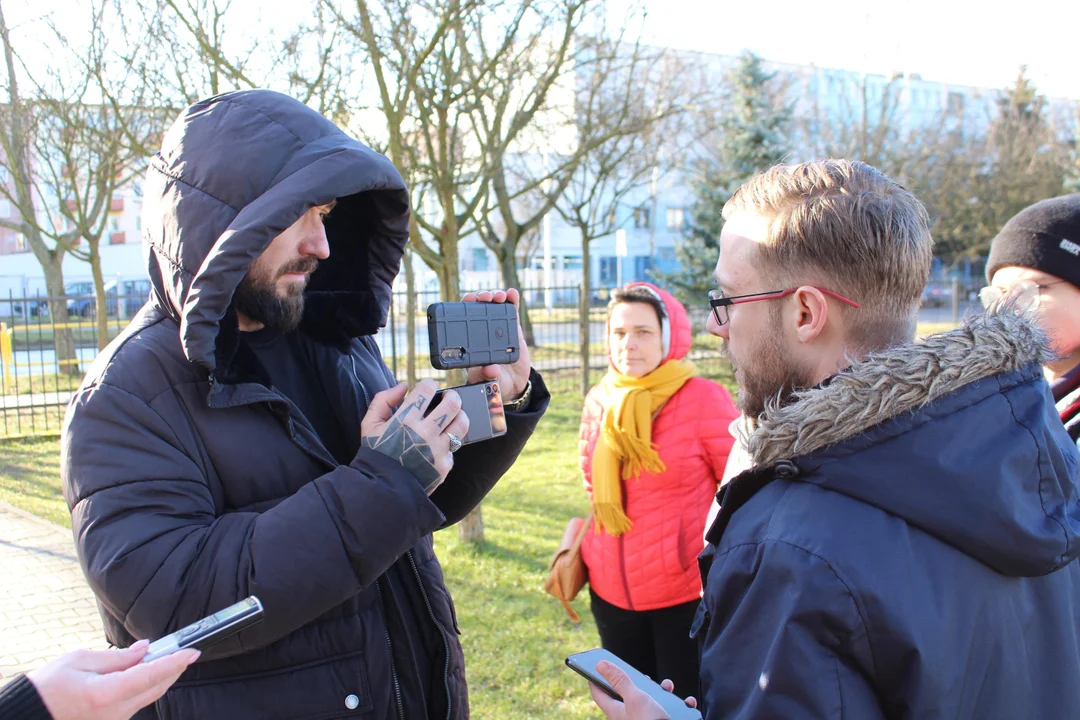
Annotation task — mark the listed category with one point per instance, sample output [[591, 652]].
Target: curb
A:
[[66, 532]]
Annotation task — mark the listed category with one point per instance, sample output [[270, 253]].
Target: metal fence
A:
[[36, 381]]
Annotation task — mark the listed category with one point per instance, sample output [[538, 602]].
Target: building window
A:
[[642, 265], [956, 103], [480, 259], [20, 243], [571, 262], [609, 273], [641, 217], [114, 224], [676, 218]]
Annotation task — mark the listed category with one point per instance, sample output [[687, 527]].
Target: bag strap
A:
[[574, 617], [576, 547]]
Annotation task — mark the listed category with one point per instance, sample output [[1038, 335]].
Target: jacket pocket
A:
[[675, 545], [335, 688]]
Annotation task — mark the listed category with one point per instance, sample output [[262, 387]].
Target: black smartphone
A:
[[211, 629], [471, 334], [584, 663], [482, 404]]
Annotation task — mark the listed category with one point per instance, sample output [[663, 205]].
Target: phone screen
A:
[[482, 404], [584, 663]]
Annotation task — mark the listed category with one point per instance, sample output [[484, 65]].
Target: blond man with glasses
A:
[[904, 542]]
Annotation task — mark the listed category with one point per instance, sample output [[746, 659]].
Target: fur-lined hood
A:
[[895, 381], [957, 435]]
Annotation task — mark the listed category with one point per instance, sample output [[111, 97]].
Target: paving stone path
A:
[[46, 607]]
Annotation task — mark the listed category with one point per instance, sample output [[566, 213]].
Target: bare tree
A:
[[860, 120], [198, 50], [19, 126], [631, 107], [975, 172], [95, 132]]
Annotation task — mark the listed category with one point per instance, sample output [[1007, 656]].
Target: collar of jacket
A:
[[897, 380]]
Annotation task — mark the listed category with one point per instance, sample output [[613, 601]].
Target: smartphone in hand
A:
[[482, 404], [211, 629], [472, 334], [584, 663]]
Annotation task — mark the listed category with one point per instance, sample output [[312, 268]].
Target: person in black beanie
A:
[[1036, 259]]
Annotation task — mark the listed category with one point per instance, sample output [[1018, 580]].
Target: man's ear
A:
[[812, 312]]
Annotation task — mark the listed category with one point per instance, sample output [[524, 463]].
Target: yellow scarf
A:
[[625, 445]]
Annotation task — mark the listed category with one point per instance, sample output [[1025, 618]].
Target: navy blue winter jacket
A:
[[905, 545]]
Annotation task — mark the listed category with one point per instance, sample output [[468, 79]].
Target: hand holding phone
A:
[[211, 629], [472, 334], [513, 377], [396, 426], [584, 663], [482, 405]]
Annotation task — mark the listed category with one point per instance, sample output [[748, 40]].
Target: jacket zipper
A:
[[442, 632], [390, 647], [622, 571], [356, 376]]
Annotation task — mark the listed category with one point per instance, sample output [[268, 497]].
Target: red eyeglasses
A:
[[719, 302]]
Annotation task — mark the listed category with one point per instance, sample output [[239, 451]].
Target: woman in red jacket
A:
[[654, 441]]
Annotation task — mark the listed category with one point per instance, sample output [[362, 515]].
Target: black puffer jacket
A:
[[192, 484]]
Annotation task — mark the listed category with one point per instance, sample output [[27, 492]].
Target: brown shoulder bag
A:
[[567, 573]]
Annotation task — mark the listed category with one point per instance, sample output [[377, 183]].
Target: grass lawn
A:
[[30, 478], [42, 383]]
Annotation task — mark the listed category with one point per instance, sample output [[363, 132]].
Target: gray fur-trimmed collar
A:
[[897, 380]]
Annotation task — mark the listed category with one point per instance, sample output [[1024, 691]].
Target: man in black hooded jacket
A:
[[239, 437]]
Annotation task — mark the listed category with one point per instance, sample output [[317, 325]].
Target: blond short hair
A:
[[848, 227]]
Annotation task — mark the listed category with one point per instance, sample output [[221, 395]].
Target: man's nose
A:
[[714, 328], [315, 243]]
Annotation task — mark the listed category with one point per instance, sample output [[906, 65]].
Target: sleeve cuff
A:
[[538, 396], [19, 700]]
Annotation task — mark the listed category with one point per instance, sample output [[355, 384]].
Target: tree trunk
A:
[[509, 274], [67, 361], [449, 276], [584, 304], [410, 320], [471, 527], [101, 309]]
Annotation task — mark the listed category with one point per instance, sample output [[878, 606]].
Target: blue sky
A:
[[953, 41]]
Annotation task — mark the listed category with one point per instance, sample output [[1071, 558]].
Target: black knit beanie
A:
[[1045, 236]]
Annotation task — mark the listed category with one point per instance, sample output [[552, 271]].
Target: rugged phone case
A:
[[470, 334]]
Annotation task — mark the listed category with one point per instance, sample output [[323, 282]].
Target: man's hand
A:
[[636, 704], [106, 684], [421, 444], [512, 378]]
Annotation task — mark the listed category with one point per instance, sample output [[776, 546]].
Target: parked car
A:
[[82, 301], [937, 294], [135, 294]]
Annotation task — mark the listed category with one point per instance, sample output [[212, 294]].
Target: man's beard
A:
[[768, 374], [256, 297]]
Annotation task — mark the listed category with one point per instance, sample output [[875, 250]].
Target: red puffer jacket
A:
[[654, 564]]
